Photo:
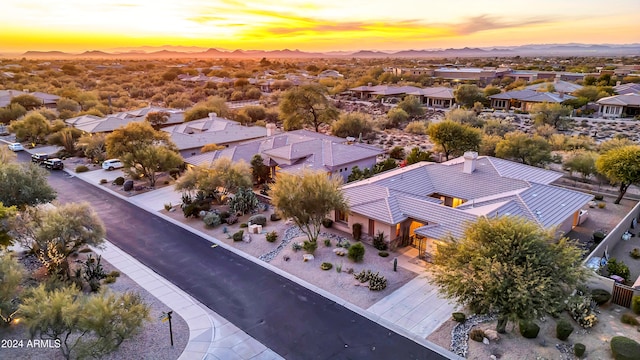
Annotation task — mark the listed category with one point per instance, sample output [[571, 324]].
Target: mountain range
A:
[[176, 52]]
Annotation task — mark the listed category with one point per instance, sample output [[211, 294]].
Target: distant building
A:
[[525, 99], [48, 100], [618, 106], [95, 124]]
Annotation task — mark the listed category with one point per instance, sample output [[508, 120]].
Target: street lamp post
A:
[[167, 317]]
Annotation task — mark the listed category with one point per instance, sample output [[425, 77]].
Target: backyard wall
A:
[[615, 235]]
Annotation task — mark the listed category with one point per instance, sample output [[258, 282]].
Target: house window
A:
[[342, 216], [397, 230]]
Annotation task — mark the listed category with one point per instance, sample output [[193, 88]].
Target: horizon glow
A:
[[311, 25]]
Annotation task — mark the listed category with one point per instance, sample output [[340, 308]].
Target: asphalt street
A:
[[286, 317]]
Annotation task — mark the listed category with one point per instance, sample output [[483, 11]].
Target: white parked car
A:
[[16, 147], [112, 164]]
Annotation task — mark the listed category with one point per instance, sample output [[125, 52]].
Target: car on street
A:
[[53, 164], [112, 164], [15, 147], [38, 158]]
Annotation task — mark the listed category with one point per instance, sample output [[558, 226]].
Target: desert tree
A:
[[396, 116], [412, 106], [260, 172], [307, 198], [23, 185], [201, 110], [527, 149], [157, 118], [84, 325], [621, 165], [306, 105], [93, 146], [467, 95], [582, 162], [11, 275], [453, 139], [27, 101], [143, 150], [33, 127], [354, 124], [221, 178], [552, 114], [508, 266], [416, 155]]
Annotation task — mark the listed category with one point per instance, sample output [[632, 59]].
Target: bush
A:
[[563, 329], [224, 215], [598, 236], [238, 235], [600, 296], [232, 219], [168, 206], [459, 317], [356, 252], [416, 127], [377, 282], [271, 236], [629, 319], [326, 266], [326, 222], [174, 173], [635, 253], [118, 181], [529, 329], [258, 219], [114, 273], [109, 279], [81, 169], [579, 349], [476, 335], [327, 242], [212, 219], [624, 348], [310, 246], [619, 268], [275, 217], [598, 197], [357, 231], [379, 242], [580, 309], [103, 181], [363, 276], [601, 205], [296, 247], [635, 304], [383, 253]]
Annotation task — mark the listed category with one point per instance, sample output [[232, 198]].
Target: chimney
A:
[[561, 94], [212, 115], [271, 129], [618, 83], [369, 84], [470, 158], [555, 80]]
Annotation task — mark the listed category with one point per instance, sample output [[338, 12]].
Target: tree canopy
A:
[[621, 165], [306, 105], [454, 138], [412, 106], [307, 198], [582, 162], [223, 173], [552, 114], [23, 185], [33, 127], [466, 95], [352, 124], [509, 266], [527, 149]]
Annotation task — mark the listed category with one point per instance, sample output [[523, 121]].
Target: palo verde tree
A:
[[157, 118], [222, 174], [621, 165], [306, 105], [453, 139], [143, 150], [33, 127], [11, 275], [84, 325], [509, 266], [527, 149], [307, 198], [467, 95], [23, 185], [552, 114]]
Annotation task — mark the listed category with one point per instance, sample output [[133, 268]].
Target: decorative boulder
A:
[[491, 335], [128, 185]]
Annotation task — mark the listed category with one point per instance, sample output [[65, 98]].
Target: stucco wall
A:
[[615, 235]]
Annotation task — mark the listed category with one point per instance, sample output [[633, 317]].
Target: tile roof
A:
[[434, 92], [7, 95], [558, 85], [496, 187], [621, 100], [212, 130], [532, 96], [625, 89], [96, 124]]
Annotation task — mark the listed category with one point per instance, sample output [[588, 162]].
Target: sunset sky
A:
[[312, 25]]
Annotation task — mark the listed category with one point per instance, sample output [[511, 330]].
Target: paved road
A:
[[286, 317]]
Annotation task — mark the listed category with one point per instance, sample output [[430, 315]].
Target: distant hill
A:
[[194, 52]]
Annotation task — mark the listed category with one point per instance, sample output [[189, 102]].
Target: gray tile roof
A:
[[529, 95], [621, 100], [625, 89], [496, 187], [198, 133], [559, 85], [95, 124]]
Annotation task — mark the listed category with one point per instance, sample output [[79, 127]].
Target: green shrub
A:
[[237, 236], [635, 304], [563, 329], [212, 219], [629, 319], [174, 173], [602, 205], [356, 252], [258, 219], [459, 317], [598, 197], [579, 307], [624, 348], [310, 246], [616, 267], [168, 206], [118, 181], [598, 236], [109, 279], [244, 225], [326, 266], [103, 181], [529, 329], [339, 268], [327, 242], [476, 335], [296, 246], [383, 253], [635, 253], [379, 241], [356, 231], [271, 236], [81, 169], [579, 349], [275, 217], [600, 296], [114, 273], [326, 222], [224, 215]]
